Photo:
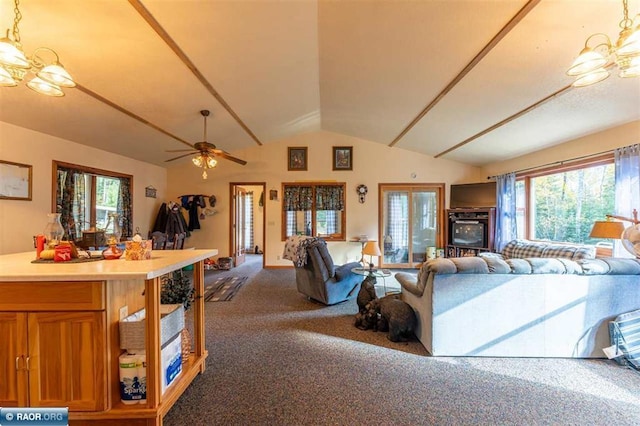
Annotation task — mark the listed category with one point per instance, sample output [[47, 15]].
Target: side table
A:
[[377, 273]]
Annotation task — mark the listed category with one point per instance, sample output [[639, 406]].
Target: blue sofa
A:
[[504, 305]]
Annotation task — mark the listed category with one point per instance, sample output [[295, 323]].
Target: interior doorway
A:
[[247, 231]]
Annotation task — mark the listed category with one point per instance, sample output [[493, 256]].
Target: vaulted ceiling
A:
[[474, 81]]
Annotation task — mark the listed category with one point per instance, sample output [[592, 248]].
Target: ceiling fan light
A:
[[591, 78], [211, 162], [5, 78], [56, 74], [11, 54], [588, 60], [197, 161], [44, 88]]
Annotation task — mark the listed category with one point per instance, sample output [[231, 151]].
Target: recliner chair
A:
[[324, 282]]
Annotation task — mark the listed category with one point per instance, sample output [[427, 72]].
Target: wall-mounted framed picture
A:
[[297, 158], [15, 181], [342, 158], [273, 195]]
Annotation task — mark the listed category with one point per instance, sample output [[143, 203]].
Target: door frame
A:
[[439, 187], [232, 213]]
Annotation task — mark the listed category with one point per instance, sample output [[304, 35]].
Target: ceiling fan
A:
[[207, 151]]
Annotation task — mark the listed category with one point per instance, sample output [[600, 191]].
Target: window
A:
[[86, 196], [563, 202], [314, 210]]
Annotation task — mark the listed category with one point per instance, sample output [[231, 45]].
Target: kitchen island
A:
[[60, 321]]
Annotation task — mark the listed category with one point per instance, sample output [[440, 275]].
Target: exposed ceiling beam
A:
[[505, 121], [485, 50], [129, 113], [155, 25]]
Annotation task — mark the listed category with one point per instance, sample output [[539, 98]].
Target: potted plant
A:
[[178, 288]]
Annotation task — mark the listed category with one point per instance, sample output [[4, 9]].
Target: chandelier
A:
[[49, 77], [205, 161], [599, 54]]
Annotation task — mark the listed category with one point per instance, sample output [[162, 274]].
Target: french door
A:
[[411, 223]]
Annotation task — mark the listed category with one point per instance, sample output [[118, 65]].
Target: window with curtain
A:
[[561, 203], [314, 210], [85, 197]]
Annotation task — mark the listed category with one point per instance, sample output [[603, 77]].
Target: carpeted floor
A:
[[277, 359]]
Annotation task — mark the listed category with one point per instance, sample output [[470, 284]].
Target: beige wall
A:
[[372, 163], [607, 140], [21, 220]]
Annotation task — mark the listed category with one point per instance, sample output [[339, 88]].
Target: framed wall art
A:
[[297, 158], [342, 158], [15, 181]]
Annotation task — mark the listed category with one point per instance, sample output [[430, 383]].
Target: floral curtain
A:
[[506, 229], [329, 198], [627, 162], [298, 198], [70, 201], [124, 207]]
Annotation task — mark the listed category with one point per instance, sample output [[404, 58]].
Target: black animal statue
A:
[[367, 293], [393, 315]]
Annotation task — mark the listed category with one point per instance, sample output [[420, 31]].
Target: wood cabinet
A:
[[66, 360], [470, 231], [54, 359], [60, 339]]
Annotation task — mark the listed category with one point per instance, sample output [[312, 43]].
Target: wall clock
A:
[[362, 191]]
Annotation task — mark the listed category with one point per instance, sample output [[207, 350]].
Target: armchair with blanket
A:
[[316, 275]]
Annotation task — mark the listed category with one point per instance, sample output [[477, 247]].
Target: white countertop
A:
[[18, 267]]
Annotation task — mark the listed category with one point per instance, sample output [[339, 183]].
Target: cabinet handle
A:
[[28, 358], [18, 362]]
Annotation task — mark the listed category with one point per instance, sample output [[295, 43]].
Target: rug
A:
[[223, 289]]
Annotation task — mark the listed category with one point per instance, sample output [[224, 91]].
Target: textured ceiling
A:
[[272, 69]]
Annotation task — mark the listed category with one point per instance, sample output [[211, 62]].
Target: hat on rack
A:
[[212, 200]]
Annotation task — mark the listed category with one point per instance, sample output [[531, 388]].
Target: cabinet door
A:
[[13, 385], [67, 357]]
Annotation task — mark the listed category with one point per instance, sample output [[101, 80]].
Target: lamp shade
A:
[[371, 248], [607, 229]]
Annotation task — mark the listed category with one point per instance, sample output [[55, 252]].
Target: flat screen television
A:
[[473, 195]]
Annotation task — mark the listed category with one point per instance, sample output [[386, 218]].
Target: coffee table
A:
[[377, 273]]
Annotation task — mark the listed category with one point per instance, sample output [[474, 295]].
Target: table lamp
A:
[[371, 248], [609, 229]]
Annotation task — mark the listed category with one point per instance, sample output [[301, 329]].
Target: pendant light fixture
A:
[[599, 53], [50, 76]]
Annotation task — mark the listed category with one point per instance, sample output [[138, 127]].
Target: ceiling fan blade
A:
[[181, 150], [228, 156], [180, 156]]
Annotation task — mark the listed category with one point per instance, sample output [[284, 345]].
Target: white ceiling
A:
[[361, 68]]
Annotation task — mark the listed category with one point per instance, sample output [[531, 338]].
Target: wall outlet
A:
[[124, 312]]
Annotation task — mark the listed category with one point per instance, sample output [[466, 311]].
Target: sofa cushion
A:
[[326, 258], [497, 265], [594, 266], [546, 266], [440, 265], [519, 266], [519, 249], [610, 266], [470, 265]]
